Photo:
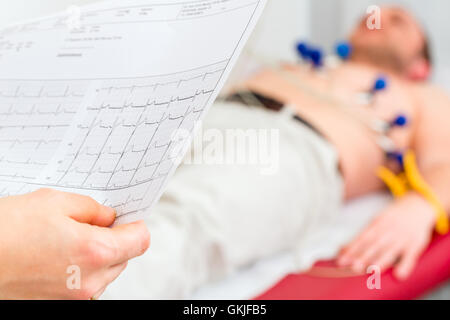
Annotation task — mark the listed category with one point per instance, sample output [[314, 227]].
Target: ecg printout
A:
[[96, 109]]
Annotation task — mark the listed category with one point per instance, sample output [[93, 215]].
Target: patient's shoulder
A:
[[428, 95]]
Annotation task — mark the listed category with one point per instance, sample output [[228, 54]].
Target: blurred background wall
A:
[[286, 21]]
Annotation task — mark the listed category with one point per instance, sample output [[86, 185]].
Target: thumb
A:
[[131, 240], [83, 209]]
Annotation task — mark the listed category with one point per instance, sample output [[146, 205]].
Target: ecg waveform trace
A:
[[33, 119], [128, 136], [108, 109], [123, 141]]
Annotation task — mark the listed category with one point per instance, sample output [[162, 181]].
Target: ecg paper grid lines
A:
[[33, 119], [127, 137], [110, 134]]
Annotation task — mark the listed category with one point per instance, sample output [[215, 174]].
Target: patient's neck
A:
[[364, 62]]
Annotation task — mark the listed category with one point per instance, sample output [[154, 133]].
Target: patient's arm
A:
[[432, 141], [397, 237], [404, 229]]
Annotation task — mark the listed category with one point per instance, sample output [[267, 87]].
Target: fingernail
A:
[[343, 261], [358, 266], [110, 211], [401, 275]]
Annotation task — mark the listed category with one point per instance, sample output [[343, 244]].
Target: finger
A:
[[356, 248], [86, 210], [408, 262], [388, 258], [110, 276], [129, 241], [374, 250]]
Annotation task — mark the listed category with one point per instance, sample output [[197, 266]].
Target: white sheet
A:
[[260, 277]]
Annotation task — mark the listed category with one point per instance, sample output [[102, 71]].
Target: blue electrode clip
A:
[[380, 84], [303, 50], [400, 121], [316, 57], [399, 157], [309, 53], [344, 50]]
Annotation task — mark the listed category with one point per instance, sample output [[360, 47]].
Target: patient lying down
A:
[[215, 219]]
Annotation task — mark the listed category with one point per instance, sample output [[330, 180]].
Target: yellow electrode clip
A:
[[411, 179]]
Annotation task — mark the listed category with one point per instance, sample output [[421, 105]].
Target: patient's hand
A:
[[46, 237], [396, 238]]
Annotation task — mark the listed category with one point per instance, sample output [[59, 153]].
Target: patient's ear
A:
[[419, 70]]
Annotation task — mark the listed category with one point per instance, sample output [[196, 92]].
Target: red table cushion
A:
[[432, 270]]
